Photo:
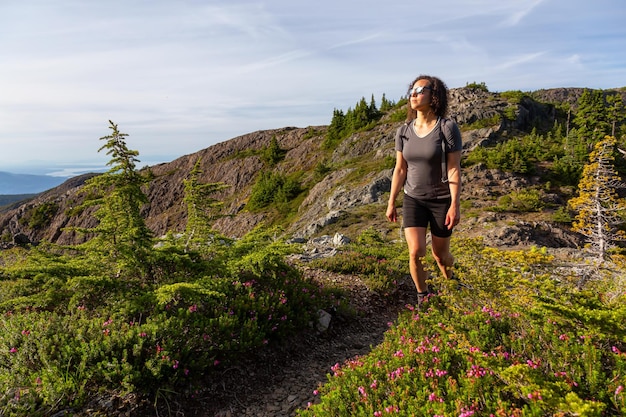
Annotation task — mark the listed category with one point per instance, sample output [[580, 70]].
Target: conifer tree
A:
[[598, 205], [200, 206], [336, 129], [591, 119], [273, 154], [616, 113], [385, 105], [121, 237]]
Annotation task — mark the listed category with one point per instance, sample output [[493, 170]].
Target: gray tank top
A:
[[424, 158]]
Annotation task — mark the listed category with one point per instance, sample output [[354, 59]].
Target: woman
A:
[[430, 199]]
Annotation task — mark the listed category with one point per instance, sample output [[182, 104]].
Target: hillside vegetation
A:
[[150, 283]]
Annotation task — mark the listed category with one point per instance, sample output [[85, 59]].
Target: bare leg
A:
[[416, 241], [441, 253]]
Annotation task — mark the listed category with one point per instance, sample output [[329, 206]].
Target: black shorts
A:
[[421, 213]]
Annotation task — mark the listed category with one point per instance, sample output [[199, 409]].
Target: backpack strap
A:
[[405, 126], [446, 135]]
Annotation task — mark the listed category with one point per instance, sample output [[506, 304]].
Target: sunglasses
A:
[[418, 90]]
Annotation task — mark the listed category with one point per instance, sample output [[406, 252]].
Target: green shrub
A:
[[517, 343], [483, 123], [521, 201], [272, 188], [70, 328], [380, 263], [477, 86], [513, 96], [562, 215], [321, 170], [272, 154], [40, 216]]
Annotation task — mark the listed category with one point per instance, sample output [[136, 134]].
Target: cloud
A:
[[515, 17], [180, 76], [518, 60]]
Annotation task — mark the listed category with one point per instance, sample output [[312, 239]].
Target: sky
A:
[[178, 76]]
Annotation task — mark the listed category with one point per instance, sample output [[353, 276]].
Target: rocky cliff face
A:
[[360, 175]]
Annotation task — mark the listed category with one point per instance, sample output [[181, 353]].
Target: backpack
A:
[[446, 132]]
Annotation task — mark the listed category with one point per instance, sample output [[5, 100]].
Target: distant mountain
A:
[[6, 200], [11, 184]]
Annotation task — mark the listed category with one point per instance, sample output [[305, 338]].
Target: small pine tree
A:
[[598, 205], [591, 119], [385, 105], [273, 154], [336, 130], [200, 206], [121, 237], [616, 112]]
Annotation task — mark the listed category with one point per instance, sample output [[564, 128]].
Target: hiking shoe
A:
[[422, 297]]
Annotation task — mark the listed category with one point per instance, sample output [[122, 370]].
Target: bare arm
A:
[[454, 182], [397, 181]]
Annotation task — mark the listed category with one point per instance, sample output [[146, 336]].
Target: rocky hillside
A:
[[350, 195]]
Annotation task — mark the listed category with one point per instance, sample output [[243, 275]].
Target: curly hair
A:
[[439, 97]]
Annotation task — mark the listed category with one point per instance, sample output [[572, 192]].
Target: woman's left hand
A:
[[453, 217]]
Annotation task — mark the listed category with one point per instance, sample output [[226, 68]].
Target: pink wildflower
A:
[[532, 364], [563, 337], [13, 350], [362, 392], [433, 397], [466, 413], [476, 372], [619, 390]]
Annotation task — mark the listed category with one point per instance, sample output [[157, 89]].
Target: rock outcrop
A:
[[360, 174]]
